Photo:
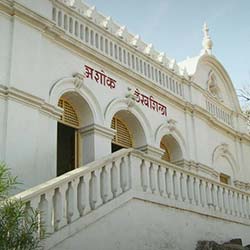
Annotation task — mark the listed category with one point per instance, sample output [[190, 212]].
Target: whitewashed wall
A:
[[38, 61], [143, 225]]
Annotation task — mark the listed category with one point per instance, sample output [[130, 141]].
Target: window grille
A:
[[69, 116], [123, 137]]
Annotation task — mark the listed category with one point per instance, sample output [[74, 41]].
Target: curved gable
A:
[[209, 74]]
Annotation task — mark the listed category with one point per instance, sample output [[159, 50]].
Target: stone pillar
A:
[[95, 142]]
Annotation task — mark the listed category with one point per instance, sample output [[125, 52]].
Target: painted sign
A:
[[100, 77]]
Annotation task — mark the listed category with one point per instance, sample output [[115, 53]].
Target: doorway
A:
[[67, 139], [66, 155]]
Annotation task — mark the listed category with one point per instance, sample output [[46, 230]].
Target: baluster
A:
[[203, 193], [124, 175], [63, 189], [170, 183], [162, 180], [240, 205], [236, 206], [177, 185], [34, 208], [136, 175], [191, 190], [197, 191], [86, 179], [46, 207], [119, 179], [248, 206], [108, 182], [226, 203], [80, 196], [209, 195], [244, 205], [144, 176], [115, 177], [69, 202], [153, 178], [57, 211], [104, 184], [96, 191], [184, 187], [220, 198], [230, 200], [73, 212], [215, 197], [128, 161]]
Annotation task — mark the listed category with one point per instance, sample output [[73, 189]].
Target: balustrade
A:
[[75, 25], [65, 199]]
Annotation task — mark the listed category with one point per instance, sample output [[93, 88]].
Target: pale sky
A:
[[175, 27]]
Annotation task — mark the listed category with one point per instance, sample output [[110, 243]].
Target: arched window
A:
[[123, 138], [69, 116], [166, 155]]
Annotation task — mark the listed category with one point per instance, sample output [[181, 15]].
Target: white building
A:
[[74, 88]]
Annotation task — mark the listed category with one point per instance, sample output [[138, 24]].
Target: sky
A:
[[175, 27]]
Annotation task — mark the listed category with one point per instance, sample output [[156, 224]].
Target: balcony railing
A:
[[78, 193], [219, 112]]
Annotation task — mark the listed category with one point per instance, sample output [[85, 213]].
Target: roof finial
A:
[[207, 43]]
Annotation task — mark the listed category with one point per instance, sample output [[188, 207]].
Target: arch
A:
[[134, 118], [174, 135], [172, 148], [221, 152], [70, 87]]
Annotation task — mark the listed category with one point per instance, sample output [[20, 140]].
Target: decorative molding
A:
[[79, 80], [130, 97], [33, 101], [245, 186], [98, 129], [171, 124]]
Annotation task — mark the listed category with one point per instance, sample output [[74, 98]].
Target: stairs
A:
[[72, 202]]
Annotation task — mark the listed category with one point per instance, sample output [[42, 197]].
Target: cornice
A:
[[30, 100]]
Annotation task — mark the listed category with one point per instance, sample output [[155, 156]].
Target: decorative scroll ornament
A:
[[162, 58], [224, 148], [135, 41], [122, 32], [79, 80], [107, 23], [91, 12], [171, 124], [207, 42], [130, 97], [149, 49]]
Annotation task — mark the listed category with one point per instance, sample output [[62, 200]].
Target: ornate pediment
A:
[[212, 86]]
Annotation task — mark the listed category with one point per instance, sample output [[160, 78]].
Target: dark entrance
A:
[[66, 141], [115, 147]]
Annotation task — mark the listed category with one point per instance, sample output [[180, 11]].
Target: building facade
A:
[[76, 87]]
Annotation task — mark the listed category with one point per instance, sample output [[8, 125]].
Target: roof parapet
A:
[[121, 32]]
